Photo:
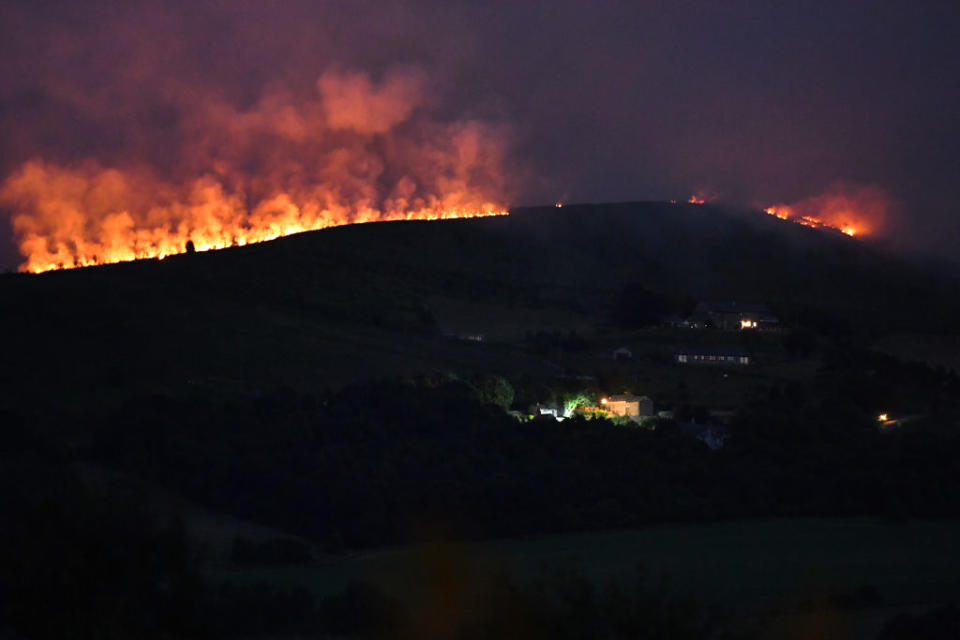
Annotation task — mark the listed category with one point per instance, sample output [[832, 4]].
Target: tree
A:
[[493, 389]]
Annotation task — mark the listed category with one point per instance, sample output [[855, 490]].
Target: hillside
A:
[[321, 309], [345, 389]]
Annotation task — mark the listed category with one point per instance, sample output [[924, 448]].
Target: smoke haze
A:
[[125, 118]]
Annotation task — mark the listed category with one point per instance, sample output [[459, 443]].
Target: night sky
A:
[[749, 102]]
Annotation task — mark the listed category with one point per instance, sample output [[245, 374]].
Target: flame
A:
[[702, 196], [214, 220], [853, 211], [65, 225], [360, 151], [784, 212]]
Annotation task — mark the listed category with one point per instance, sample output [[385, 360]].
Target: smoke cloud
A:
[[356, 151], [122, 120]]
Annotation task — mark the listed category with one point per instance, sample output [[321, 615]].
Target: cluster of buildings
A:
[[639, 409], [725, 316], [733, 316]]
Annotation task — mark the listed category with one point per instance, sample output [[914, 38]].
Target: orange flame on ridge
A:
[[360, 151], [786, 213], [80, 218], [853, 211]]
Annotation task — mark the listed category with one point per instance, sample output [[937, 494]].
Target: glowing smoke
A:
[[854, 210], [356, 150]]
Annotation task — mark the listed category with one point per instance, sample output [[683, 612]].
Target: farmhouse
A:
[[713, 356], [734, 316], [629, 406]]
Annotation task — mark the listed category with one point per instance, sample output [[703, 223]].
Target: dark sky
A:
[[754, 102]]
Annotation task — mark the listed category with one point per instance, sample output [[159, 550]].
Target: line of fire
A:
[[47, 254]]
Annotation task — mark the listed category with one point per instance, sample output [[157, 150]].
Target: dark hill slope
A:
[[319, 309], [714, 253]]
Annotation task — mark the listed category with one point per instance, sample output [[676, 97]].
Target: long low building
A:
[[713, 356]]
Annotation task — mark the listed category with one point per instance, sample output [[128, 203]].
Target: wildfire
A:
[[786, 213], [851, 210], [358, 151], [696, 200], [62, 227], [53, 238]]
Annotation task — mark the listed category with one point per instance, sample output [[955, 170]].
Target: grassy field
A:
[[787, 577]]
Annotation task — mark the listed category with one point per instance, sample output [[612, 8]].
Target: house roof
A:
[[626, 398]]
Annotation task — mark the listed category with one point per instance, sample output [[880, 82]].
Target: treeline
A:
[[381, 462], [378, 461]]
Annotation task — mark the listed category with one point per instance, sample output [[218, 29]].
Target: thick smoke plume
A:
[[605, 101], [358, 149]]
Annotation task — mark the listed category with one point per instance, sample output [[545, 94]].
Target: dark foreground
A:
[[319, 394]]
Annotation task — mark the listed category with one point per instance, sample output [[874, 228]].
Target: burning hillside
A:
[[354, 151], [852, 211]]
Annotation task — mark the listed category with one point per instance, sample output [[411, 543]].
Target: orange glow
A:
[[882, 417], [67, 219], [558, 205], [702, 196], [288, 163], [853, 211], [784, 212], [748, 324]]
